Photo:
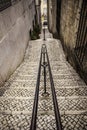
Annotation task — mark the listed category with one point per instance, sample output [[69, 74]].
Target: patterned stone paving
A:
[[14, 122], [66, 82], [80, 91], [46, 122], [72, 104], [17, 94], [16, 104], [20, 84], [45, 102], [74, 122], [70, 89], [14, 92], [45, 105]]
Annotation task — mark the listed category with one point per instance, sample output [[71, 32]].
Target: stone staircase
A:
[[17, 95], [71, 91]]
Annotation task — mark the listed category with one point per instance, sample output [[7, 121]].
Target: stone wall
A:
[[15, 23], [49, 12], [52, 15], [64, 20], [70, 15], [38, 10], [69, 22]]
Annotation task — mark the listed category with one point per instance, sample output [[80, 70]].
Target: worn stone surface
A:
[[17, 95], [70, 90]]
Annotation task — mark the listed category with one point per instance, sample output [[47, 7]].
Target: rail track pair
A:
[[44, 62]]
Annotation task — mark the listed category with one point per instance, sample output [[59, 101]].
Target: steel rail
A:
[[35, 105], [55, 102]]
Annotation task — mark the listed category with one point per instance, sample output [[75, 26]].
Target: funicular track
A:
[[44, 62]]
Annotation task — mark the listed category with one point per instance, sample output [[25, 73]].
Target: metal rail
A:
[[56, 109], [44, 34], [44, 65], [35, 106], [44, 56]]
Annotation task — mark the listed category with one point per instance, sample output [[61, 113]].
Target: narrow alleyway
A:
[[17, 95]]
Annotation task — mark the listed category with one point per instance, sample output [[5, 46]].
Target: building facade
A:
[[67, 21], [43, 10], [38, 11], [17, 18], [52, 15]]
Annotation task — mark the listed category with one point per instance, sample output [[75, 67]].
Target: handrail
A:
[[35, 106], [56, 109]]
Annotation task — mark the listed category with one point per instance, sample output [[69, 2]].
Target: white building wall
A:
[[43, 6], [15, 23]]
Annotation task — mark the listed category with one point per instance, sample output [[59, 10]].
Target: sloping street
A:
[[17, 94]]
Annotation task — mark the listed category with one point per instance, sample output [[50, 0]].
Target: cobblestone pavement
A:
[[45, 115], [70, 89], [17, 94]]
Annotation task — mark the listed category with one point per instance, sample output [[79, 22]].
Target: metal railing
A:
[[35, 106], [43, 63], [56, 109]]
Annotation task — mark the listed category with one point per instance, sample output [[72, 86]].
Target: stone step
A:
[[17, 92], [64, 91], [20, 83], [80, 91], [22, 121], [46, 122], [69, 82], [45, 104], [17, 122], [41, 113], [74, 122], [72, 103], [16, 104], [66, 76], [29, 77], [65, 104]]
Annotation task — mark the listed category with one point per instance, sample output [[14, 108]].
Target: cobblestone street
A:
[[17, 94]]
